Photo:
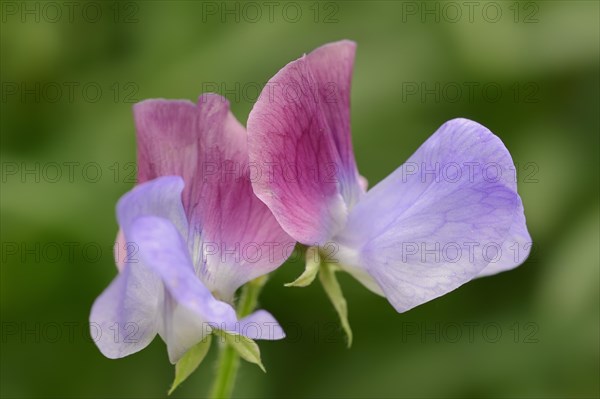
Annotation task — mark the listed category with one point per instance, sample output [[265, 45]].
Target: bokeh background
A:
[[70, 73]]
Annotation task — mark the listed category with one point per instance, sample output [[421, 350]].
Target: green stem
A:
[[249, 297], [228, 365], [229, 360]]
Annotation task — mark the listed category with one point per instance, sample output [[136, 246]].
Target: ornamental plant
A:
[[218, 207]]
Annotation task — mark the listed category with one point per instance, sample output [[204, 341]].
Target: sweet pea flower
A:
[[450, 214], [193, 234]]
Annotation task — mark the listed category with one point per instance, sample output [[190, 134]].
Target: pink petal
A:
[[233, 235], [299, 136], [168, 143]]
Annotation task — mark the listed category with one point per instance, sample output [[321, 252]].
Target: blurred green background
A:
[[70, 73]]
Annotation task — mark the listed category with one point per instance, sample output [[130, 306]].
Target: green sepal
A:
[[313, 261], [334, 292], [244, 346], [190, 361]]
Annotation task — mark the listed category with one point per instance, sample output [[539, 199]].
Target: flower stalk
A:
[[229, 360]]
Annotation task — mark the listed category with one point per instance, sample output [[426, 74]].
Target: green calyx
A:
[[318, 264]]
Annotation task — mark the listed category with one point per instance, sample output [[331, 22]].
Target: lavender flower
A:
[[450, 214], [185, 226]]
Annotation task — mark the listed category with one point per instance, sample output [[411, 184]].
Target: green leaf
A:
[[313, 261], [244, 346], [334, 292], [190, 361]]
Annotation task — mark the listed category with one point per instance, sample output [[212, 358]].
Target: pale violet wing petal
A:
[[160, 197], [125, 317], [438, 220], [515, 249], [120, 250], [164, 251], [126, 313], [189, 307], [258, 325], [181, 328]]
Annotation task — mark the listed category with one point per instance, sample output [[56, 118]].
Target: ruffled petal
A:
[[160, 197], [189, 307], [168, 143], [181, 328], [439, 220], [258, 325], [299, 137], [125, 317], [241, 239], [515, 249], [120, 250], [127, 313], [332, 65], [164, 251], [233, 236]]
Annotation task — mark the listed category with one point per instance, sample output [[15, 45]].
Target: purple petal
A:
[[125, 317], [299, 136], [515, 249], [164, 251], [189, 307], [234, 236], [438, 220], [119, 250], [181, 328], [160, 197], [258, 325]]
